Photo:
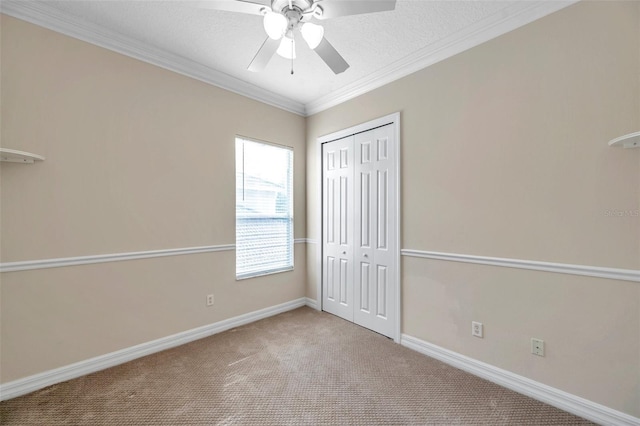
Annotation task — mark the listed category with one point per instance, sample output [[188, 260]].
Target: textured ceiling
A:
[[227, 41]]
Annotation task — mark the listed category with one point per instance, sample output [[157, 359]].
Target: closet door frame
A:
[[363, 127]]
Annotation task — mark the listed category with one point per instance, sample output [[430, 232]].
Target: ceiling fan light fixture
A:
[[275, 25], [287, 48], [312, 34]]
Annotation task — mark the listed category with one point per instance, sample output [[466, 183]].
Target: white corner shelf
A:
[[14, 156], [632, 140]]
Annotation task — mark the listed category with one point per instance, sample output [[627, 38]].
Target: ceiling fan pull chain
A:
[[292, 56]]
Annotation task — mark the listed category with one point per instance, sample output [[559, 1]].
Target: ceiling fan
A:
[[283, 17]]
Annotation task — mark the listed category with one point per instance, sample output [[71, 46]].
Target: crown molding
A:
[[508, 19], [48, 17]]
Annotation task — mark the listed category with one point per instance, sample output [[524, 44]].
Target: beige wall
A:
[[504, 154], [137, 158]]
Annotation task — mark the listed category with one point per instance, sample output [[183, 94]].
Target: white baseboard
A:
[[565, 401], [312, 303], [41, 380]]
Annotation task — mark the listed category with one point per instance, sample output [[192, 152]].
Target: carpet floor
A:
[[298, 368]]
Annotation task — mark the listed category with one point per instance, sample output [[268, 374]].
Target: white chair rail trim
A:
[[565, 401], [27, 265], [561, 268], [102, 258]]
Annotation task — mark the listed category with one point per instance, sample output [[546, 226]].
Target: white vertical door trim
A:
[[398, 230], [388, 119]]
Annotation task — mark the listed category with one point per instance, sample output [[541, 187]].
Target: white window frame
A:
[[289, 236]]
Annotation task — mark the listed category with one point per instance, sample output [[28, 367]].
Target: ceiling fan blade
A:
[[262, 58], [335, 8], [253, 7], [331, 57]]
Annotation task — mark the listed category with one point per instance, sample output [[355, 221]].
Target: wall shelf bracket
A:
[[14, 156], [632, 140]]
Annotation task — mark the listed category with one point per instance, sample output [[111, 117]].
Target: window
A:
[[264, 208]]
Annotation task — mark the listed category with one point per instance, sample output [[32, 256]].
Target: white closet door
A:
[[337, 227], [375, 221]]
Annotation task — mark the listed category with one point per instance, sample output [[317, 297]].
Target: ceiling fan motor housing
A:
[[295, 10]]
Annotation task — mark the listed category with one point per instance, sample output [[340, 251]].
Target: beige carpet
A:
[[300, 367]]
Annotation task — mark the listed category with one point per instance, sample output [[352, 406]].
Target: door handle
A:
[[344, 252], [366, 255]]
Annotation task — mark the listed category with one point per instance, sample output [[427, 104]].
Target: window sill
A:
[[262, 273]]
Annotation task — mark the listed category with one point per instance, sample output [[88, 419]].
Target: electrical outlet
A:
[[537, 346], [209, 299], [477, 329]]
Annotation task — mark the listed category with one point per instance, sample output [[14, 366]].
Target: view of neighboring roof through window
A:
[[264, 208]]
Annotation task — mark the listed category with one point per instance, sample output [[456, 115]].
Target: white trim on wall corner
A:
[[311, 303], [561, 268], [38, 381], [305, 241], [43, 15], [565, 401], [102, 258]]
